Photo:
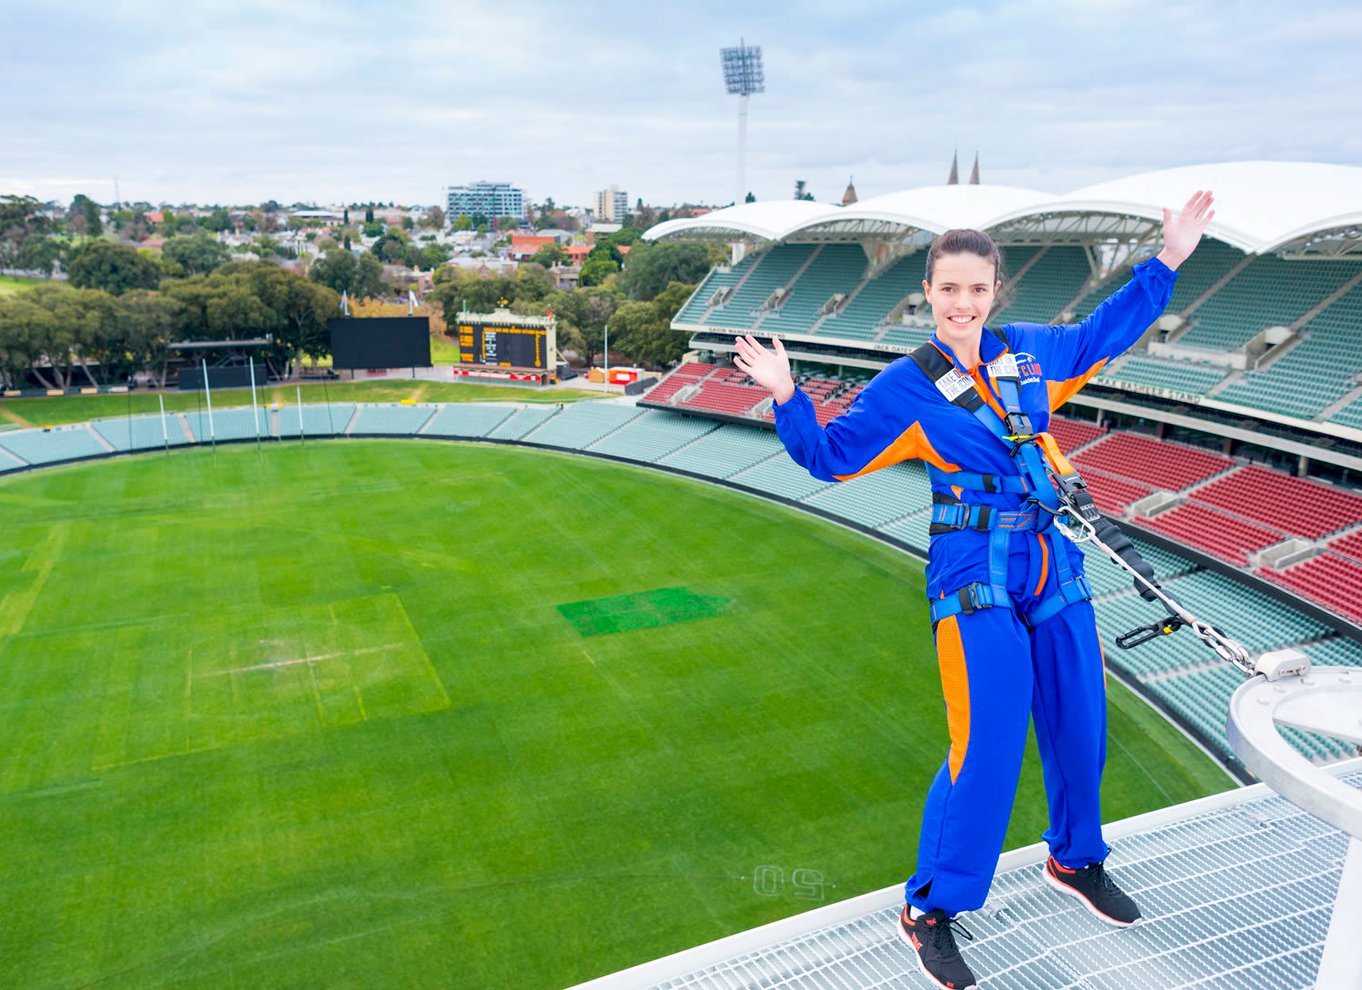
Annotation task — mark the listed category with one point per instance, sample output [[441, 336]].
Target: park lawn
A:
[[56, 410], [374, 713], [10, 284]]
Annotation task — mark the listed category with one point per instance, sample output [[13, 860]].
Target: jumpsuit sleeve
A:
[[878, 430], [1072, 354]]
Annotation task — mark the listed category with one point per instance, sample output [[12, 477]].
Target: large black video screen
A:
[[380, 342]]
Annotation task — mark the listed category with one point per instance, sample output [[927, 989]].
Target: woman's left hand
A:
[[1182, 233]]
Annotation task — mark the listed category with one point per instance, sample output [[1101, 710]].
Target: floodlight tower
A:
[[743, 77]]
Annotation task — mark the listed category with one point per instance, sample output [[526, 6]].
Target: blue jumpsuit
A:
[[997, 668]]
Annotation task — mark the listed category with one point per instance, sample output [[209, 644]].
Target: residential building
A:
[[612, 205], [491, 199]]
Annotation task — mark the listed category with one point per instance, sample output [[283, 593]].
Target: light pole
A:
[[743, 76], [607, 355]]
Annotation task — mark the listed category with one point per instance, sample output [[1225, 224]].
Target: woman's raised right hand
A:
[[769, 369]]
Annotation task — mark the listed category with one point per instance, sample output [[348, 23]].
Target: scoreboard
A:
[[506, 341]]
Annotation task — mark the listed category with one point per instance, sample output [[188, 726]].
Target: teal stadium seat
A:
[[771, 271]]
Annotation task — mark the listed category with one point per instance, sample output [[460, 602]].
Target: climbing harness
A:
[[1058, 501]]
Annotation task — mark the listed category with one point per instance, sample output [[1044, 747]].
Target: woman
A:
[[1015, 632]]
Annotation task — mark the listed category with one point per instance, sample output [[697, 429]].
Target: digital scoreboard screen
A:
[[380, 342], [503, 345]]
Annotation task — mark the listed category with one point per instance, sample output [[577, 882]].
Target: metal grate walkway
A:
[[1237, 896]]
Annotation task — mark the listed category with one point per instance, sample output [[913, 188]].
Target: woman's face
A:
[[961, 292]]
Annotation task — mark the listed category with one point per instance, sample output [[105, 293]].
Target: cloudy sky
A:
[[355, 100]]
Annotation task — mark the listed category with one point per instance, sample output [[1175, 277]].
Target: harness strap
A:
[[1014, 430]]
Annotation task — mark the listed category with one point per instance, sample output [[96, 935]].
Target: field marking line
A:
[[586, 654], [316, 694], [276, 664], [43, 558], [416, 641]]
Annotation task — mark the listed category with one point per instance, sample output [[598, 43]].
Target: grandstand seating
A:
[[1209, 263], [142, 432], [725, 452], [1213, 532], [877, 498], [912, 529], [907, 336], [837, 268], [652, 435], [1071, 434], [771, 271], [61, 443], [8, 462], [467, 419], [1349, 546], [1163, 373], [1295, 505], [1152, 462], [582, 424], [391, 419], [1113, 495], [780, 476], [1057, 275], [1269, 291], [1335, 582], [1314, 373], [1349, 415], [875, 300], [228, 424], [718, 278], [318, 420], [732, 399], [514, 427]]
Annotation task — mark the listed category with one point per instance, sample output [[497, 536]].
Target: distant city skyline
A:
[[351, 102]]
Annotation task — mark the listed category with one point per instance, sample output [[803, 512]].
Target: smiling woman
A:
[[1016, 638]]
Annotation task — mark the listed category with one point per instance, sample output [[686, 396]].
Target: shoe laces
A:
[[943, 932], [1100, 876]]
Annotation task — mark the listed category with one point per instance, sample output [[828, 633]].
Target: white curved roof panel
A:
[[939, 208], [770, 220], [1259, 205]]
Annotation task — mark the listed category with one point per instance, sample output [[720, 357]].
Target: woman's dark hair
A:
[[965, 241]]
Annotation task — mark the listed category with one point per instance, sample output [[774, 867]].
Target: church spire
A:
[[849, 196], [974, 173], [954, 180]]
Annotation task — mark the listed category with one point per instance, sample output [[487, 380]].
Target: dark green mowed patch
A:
[[641, 610]]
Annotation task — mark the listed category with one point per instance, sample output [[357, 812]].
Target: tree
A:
[[83, 216], [434, 219], [265, 246], [650, 268], [373, 228], [750, 198], [21, 219], [368, 214], [463, 222], [115, 268], [506, 222], [40, 253], [148, 322], [197, 254], [644, 328], [218, 221], [596, 270], [550, 255]]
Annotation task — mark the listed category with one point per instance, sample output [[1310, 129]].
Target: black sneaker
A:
[[930, 935], [1095, 888]]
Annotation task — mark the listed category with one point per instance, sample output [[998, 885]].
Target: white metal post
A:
[[255, 408], [300, 413], [208, 392], [165, 434], [741, 195]]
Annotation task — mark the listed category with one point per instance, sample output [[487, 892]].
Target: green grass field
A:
[[10, 284], [372, 714], [59, 409]]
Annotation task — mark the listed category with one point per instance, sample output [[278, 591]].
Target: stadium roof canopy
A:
[[1260, 206]]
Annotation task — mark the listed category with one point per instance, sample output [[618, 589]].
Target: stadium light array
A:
[[743, 76]]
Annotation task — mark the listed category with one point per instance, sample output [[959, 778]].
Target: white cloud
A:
[[246, 101]]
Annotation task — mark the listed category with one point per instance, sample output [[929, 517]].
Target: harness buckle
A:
[[1074, 491], [1018, 426], [969, 599]]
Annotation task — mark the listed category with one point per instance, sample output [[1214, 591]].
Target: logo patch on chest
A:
[[1028, 368]]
